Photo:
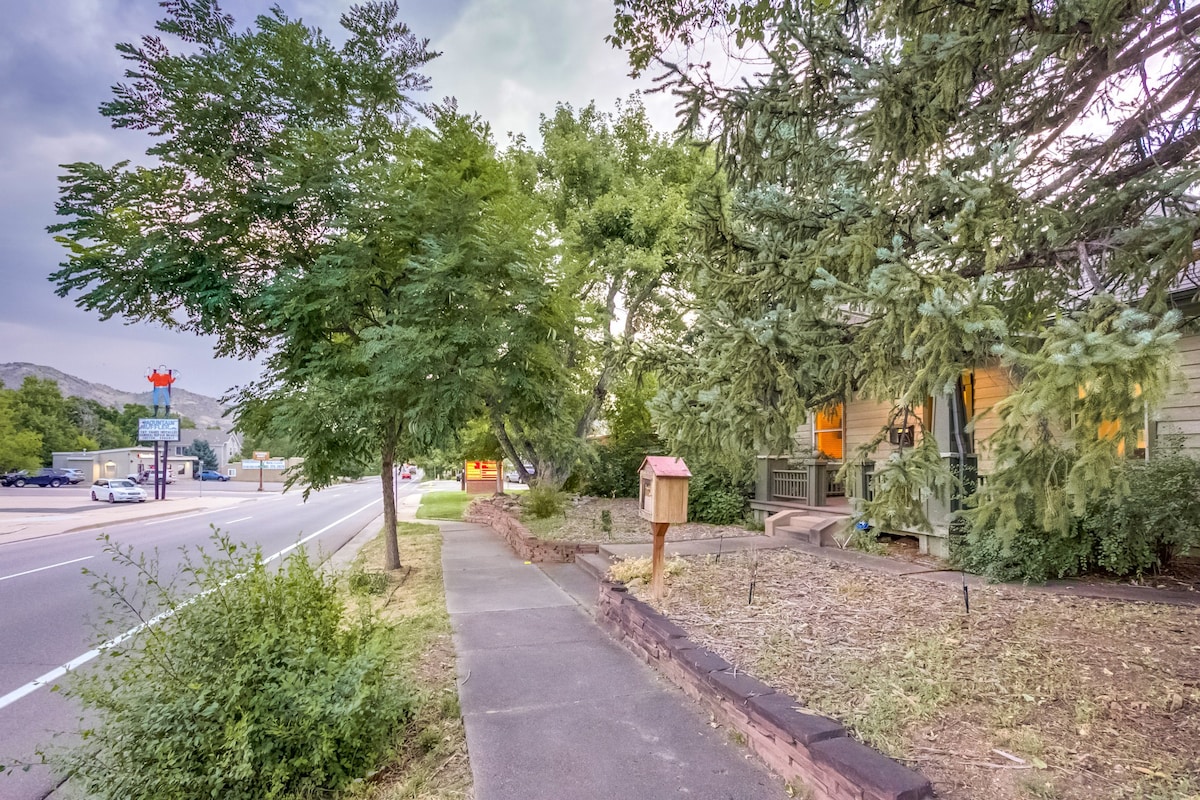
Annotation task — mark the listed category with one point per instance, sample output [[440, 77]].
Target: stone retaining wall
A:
[[802, 748], [527, 546]]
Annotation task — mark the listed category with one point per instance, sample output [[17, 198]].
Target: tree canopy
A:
[[920, 189]]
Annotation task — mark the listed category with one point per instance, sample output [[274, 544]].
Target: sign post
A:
[[261, 456], [157, 430]]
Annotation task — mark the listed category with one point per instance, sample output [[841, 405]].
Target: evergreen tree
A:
[[916, 190], [203, 451]]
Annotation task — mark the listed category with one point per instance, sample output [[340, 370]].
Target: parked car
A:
[[148, 477], [9, 477], [118, 490], [73, 475], [211, 475], [44, 477]]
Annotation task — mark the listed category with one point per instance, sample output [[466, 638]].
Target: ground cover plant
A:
[[1032, 695], [443, 505], [254, 683], [429, 761]]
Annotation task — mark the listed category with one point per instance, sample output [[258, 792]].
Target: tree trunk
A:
[[387, 475]]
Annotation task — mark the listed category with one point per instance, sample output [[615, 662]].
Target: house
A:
[[799, 493], [226, 445]]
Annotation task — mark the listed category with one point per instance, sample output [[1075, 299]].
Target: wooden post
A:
[[660, 540]]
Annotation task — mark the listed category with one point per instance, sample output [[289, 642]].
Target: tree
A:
[[617, 195], [919, 189], [267, 143], [19, 449], [203, 451], [38, 406]]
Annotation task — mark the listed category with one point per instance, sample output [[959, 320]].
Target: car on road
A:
[[118, 490], [211, 475], [43, 477], [8, 478], [73, 475]]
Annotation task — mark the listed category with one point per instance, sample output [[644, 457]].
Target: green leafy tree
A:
[[268, 147], [19, 448], [437, 287], [617, 194], [39, 407], [100, 423], [204, 452], [916, 190]]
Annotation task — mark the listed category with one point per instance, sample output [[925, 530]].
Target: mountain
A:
[[204, 410]]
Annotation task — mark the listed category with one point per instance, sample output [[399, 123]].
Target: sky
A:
[[507, 60]]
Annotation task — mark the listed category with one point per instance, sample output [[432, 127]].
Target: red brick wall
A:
[[527, 546], [801, 747]]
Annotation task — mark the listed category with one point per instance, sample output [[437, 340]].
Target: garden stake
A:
[[966, 596]]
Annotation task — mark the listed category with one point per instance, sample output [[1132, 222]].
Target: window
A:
[[828, 438]]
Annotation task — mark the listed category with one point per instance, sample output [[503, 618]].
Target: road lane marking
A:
[[175, 519], [239, 519], [52, 566], [79, 661]]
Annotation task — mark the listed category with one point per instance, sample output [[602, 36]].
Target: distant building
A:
[[226, 445], [120, 462]]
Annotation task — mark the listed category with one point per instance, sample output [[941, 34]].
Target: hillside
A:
[[204, 410]]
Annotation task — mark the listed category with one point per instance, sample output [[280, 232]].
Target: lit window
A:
[[827, 433]]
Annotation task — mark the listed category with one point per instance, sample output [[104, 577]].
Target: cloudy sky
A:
[[508, 60]]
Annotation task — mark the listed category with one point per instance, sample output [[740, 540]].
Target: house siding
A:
[[1180, 411], [992, 384]]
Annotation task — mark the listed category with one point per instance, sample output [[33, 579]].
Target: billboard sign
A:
[[154, 429], [482, 470]]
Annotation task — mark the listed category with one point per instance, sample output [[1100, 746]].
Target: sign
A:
[[278, 463], [158, 430], [261, 455], [482, 470]]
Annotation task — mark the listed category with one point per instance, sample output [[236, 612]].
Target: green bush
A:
[[257, 687], [1136, 532], [542, 502], [1159, 520], [613, 471], [716, 497]]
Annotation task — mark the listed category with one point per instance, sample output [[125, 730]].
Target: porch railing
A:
[[789, 484]]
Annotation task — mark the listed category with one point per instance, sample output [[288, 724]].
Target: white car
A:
[[118, 490]]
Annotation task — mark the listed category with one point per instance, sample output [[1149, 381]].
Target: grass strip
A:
[[430, 759], [443, 505]]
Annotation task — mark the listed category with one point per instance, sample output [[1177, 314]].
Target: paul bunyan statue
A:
[[161, 378]]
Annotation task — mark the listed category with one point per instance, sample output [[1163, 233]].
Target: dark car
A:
[[211, 475], [44, 477], [10, 477]]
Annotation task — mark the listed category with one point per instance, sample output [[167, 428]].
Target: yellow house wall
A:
[[1180, 412]]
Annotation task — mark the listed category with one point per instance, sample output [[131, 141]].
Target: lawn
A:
[[443, 505]]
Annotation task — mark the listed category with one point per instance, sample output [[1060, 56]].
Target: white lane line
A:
[[239, 519], [175, 519], [78, 661], [52, 566]]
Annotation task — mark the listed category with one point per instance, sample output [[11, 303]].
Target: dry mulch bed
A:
[[1031, 695], [582, 523]]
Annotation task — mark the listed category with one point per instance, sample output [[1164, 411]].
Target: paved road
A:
[[47, 608]]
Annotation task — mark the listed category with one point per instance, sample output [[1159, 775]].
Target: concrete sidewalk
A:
[[555, 709]]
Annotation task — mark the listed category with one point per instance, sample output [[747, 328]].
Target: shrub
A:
[[541, 502], [716, 497], [1159, 521], [256, 687], [1128, 534], [613, 469]]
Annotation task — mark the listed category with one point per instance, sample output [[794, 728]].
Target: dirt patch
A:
[[1031, 695], [583, 521]]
